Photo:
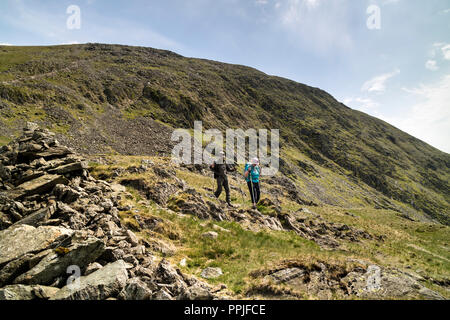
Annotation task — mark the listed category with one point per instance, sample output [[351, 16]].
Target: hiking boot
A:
[[230, 205]]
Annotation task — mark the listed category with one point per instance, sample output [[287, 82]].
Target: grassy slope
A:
[[420, 247], [67, 87]]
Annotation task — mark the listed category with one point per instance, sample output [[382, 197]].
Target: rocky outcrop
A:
[[325, 280], [378, 282], [61, 237], [312, 226]]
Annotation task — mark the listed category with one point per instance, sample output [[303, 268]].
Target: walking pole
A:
[[253, 194]]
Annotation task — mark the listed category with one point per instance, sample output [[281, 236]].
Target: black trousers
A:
[[255, 192], [222, 181]]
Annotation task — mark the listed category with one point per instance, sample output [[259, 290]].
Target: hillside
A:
[[127, 100], [151, 230], [360, 209]]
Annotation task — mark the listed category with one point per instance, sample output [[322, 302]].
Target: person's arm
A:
[[248, 172]]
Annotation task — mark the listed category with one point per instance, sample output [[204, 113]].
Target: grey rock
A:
[[40, 185], [378, 283], [210, 235], [65, 193], [94, 266], [162, 295], [22, 292], [54, 152], [135, 290], [81, 252], [31, 126], [198, 291], [288, 274], [112, 254], [21, 239], [132, 238], [15, 268], [38, 217], [68, 168], [166, 273], [100, 285], [211, 273]]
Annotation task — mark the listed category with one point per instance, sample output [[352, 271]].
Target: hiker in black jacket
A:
[[220, 174]]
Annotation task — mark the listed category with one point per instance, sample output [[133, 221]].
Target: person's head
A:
[[255, 161], [221, 157]]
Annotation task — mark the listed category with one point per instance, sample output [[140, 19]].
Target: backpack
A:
[[250, 176]]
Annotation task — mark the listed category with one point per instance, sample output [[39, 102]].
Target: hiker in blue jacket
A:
[[251, 173]]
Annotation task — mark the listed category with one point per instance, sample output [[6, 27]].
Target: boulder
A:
[[68, 168], [39, 216], [132, 238], [210, 235], [94, 266], [211, 273], [15, 268], [382, 283], [40, 185], [135, 289], [163, 295], [21, 239], [286, 275], [198, 291], [100, 285], [82, 251], [54, 152], [22, 292], [65, 193]]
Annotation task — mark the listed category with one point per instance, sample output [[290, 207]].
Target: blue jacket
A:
[[254, 174]]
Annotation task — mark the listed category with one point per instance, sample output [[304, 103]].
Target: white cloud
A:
[[378, 83], [431, 65], [446, 51], [70, 42], [312, 3], [51, 26], [429, 118], [440, 48], [5, 44], [366, 105], [321, 28]]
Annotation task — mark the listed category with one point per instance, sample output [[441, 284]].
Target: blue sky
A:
[[399, 72]]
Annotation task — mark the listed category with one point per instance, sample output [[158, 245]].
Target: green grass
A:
[[4, 140], [239, 251], [415, 246]]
